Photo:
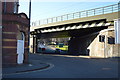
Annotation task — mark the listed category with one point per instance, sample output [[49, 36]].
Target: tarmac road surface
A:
[[64, 66]]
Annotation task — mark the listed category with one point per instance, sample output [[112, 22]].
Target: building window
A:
[[101, 38], [111, 40]]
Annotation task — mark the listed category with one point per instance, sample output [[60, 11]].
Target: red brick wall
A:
[[10, 43], [12, 24], [9, 36], [9, 6], [9, 27]]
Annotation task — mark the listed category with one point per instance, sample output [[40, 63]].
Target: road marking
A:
[[51, 66]]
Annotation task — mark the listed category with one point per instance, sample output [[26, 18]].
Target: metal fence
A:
[[81, 14]]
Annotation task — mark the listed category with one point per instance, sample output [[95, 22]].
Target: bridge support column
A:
[[79, 45], [34, 44]]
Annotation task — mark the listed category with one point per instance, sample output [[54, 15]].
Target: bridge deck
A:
[[108, 17]]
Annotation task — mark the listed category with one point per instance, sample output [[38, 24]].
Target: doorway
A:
[[20, 48]]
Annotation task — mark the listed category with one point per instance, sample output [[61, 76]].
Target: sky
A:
[[47, 9]]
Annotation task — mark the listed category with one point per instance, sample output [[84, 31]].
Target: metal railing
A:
[[81, 14]]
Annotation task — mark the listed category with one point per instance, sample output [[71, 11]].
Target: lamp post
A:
[[29, 29]]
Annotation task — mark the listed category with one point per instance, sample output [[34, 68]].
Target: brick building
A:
[[15, 27]]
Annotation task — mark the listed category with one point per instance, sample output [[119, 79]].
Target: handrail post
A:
[[118, 6], [103, 10], [94, 12], [79, 14], [39, 22], [47, 21], [51, 20], [35, 23], [112, 9], [73, 15], [56, 19], [86, 13], [67, 16], [61, 18]]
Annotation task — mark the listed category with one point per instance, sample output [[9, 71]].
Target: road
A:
[[63, 66]]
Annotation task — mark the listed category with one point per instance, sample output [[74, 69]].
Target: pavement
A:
[[33, 65], [23, 68], [64, 66]]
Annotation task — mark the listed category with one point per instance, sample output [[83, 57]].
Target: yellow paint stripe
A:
[[9, 32], [9, 40], [9, 47]]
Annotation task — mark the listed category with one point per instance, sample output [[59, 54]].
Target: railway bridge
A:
[[92, 32]]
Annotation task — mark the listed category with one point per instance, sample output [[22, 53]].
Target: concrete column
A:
[[73, 46], [79, 45], [34, 43], [36, 46], [31, 44]]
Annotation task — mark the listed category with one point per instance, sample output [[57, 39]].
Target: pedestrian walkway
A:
[[33, 66]]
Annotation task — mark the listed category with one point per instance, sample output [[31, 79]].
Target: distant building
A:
[[15, 28]]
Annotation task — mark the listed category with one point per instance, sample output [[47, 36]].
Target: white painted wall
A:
[[20, 50], [117, 31]]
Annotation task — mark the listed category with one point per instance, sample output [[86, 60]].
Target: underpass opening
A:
[[53, 45], [77, 41], [80, 37]]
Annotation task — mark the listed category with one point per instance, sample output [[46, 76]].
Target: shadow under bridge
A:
[[82, 34]]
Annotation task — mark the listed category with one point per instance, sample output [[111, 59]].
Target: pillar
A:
[[73, 46], [79, 45], [35, 44]]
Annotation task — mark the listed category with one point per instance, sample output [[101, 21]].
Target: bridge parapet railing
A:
[[81, 14]]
